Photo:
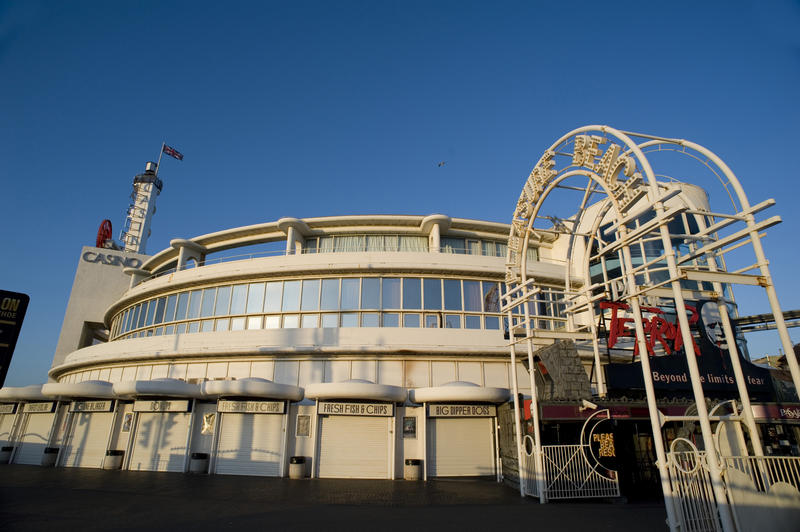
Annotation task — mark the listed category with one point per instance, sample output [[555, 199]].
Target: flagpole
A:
[[158, 164]]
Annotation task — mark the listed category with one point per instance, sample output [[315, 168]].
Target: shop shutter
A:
[[160, 441], [86, 446], [34, 439], [460, 447], [354, 447], [250, 444]]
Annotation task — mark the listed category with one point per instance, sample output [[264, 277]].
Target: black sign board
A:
[[670, 373], [12, 311]]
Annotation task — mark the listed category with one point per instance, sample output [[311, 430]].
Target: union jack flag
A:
[[172, 152]]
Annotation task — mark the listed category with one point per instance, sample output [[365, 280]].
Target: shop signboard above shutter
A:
[[172, 405], [442, 410], [251, 407], [355, 409]]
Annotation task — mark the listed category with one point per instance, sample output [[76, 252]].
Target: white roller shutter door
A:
[[460, 447], [6, 423], [160, 443], [354, 447], [250, 444], [34, 439], [87, 442]]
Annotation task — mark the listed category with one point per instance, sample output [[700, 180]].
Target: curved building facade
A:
[[296, 338]]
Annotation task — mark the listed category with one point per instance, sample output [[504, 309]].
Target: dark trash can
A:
[[199, 463], [5, 454], [297, 467], [412, 469], [113, 459], [50, 456]]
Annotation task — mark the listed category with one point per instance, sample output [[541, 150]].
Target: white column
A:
[[435, 239], [290, 240]]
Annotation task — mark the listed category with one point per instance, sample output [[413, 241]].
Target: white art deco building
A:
[[365, 342]]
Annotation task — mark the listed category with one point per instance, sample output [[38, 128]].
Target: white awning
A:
[[11, 394], [251, 387], [459, 391], [157, 388], [356, 389], [89, 389]]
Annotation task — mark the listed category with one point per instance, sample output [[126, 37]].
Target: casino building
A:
[[356, 342]]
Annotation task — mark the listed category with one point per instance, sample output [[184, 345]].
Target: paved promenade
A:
[[39, 499]]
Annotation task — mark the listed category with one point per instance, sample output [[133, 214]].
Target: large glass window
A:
[[272, 302], [134, 318], [291, 296], [344, 302], [160, 311], [452, 321], [412, 293], [330, 294], [472, 296], [391, 293], [350, 293], [410, 320], [491, 297], [433, 294], [452, 294], [183, 302], [222, 306], [370, 293], [330, 320], [169, 315], [207, 307], [194, 304], [255, 298], [238, 299], [453, 245], [310, 295]]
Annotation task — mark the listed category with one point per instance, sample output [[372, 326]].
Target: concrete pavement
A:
[[38, 499]]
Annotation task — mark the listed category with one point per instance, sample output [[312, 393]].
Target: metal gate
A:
[[691, 488], [762, 491], [569, 471]]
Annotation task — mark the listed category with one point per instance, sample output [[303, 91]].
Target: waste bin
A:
[[113, 459], [198, 463], [5, 454], [49, 457], [412, 469], [297, 467]]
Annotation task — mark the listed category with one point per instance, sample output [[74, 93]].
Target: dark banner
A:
[[668, 365], [12, 312]]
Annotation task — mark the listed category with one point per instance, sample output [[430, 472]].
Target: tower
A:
[[146, 188]]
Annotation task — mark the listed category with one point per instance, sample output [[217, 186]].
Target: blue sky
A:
[[321, 108]]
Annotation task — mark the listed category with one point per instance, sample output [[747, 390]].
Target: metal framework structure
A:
[[625, 207]]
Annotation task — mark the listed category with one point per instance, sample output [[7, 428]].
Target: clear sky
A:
[[322, 108]]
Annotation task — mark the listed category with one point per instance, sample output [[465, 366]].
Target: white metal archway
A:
[[621, 192]]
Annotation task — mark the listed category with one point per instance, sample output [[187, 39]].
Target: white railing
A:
[[764, 472], [570, 473], [761, 490]]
